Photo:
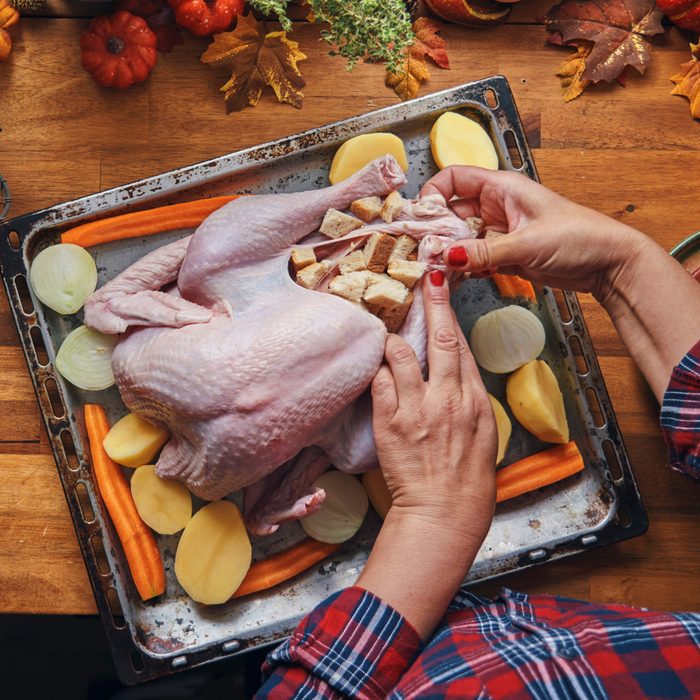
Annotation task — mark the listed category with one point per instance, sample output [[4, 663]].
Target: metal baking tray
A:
[[599, 506]]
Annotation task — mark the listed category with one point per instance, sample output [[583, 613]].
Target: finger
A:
[[464, 208], [460, 181], [405, 369], [443, 342], [479, 254], [384, 400], [469, 371]]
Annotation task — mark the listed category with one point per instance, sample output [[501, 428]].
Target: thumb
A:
[[481, 254]]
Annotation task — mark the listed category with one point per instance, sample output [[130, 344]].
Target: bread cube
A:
[[406, 271], [302, 257], [337, 224], [350, 286], [311, 275], [405, 245], [351, 263], [378, 250], [367, 208], [392, 207]]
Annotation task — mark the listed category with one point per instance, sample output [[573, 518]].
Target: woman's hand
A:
[[653, 302], [550, 240], [436, 439], [436, 443]]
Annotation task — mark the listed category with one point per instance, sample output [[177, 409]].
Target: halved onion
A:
[[85, 359], [343, 511], [505, 339], [63, 277]]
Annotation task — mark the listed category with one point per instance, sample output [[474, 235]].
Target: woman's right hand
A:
[[550, 240]]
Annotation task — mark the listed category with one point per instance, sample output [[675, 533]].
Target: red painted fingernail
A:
[[437, 278], [457, 257]]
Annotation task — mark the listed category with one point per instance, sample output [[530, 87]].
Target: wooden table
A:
[[629, 152]]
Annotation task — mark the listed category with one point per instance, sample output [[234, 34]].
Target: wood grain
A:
[[625, 151]]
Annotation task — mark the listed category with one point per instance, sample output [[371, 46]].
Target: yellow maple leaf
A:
[[411, 73], [688, 81], [571, 70], [256, 60]]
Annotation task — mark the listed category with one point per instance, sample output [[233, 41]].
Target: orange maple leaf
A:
[[688, 81], [413, 71], [256, 60]]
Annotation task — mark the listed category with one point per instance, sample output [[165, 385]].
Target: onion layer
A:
[[343, 511], [63, 277], [505, 339], [85, 359]]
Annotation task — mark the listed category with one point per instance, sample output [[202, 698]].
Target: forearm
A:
[[417, 565], [655, 306]]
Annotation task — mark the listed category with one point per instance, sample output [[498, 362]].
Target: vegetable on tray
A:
[[503, 426], [133, 441], [538, 470], [85, 359], [137, 540], [378, 491], [284, 565], [514, 287], [165, 505], [536, 400], [458, 140], [504, 339], [214, 553], [342, 512], [359, 150], [63, 276], [144, 223]]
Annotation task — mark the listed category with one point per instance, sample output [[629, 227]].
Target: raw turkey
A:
[[261, 383]]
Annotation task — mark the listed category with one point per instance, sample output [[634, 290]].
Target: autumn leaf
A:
[[256, 60], [571, 70], [428, 43], [688, 81], [413, 71], [616, 27]]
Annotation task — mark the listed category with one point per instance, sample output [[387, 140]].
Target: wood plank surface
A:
[[625, 151]]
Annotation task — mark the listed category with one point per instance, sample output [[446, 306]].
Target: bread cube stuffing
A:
[[302, 257], [378, 250], [367, 208], [353, 262], [311, 275], [350, 286], [406, 271], [337, 224], [405, 245], [392, 207], [386, 293]]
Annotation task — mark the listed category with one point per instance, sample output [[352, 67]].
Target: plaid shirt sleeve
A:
[[680, 415], [351, 646]]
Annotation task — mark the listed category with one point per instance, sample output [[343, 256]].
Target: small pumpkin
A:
[[8, 15], [683, 13], [118, 50], [206, 17], [5, 45]]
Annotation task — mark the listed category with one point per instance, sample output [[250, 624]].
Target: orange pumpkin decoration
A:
[[119, 50], [683, 13], [206, 17], [8, 17]]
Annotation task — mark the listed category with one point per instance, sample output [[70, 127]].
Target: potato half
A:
[[356, 152], [458, 140], [165, 505]]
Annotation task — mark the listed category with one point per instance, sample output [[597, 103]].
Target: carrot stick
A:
[[144, 223], [512, 286], [538, 470], [137, 539], [283, 566]]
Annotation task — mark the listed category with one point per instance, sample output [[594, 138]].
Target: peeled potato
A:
[[133, 442], [378, 491], [165, 505], [356, 152], [535, 398], [457, 140], [214, 553], [503, 427]]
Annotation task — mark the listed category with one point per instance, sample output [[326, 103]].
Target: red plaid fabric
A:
[[518, 646]]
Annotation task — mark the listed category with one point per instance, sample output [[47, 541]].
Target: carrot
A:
[[538, 470], [139, 544], [514, 286], [283, 566], [144, 223]]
